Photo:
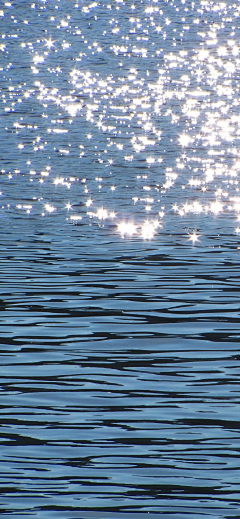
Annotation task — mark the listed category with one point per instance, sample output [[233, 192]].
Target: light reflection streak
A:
[[127, 228], [148, 229], [49, 208]]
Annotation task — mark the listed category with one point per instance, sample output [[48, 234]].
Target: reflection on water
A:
[[120, 375], [119, 249], [131, 109]]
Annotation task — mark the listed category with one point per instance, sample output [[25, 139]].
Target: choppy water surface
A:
[[119, 216]]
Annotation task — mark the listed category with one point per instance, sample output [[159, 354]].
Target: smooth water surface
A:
[[120, 290]]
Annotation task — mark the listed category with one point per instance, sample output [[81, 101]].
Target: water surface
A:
[[119, 249]]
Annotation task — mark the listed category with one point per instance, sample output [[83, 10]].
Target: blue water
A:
[[119, 215]]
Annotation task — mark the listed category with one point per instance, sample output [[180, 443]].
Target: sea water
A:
[[119, 218]]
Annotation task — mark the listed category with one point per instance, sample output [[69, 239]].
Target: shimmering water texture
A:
[[120, 223], [123, 115]]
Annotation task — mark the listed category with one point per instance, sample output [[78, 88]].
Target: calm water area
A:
[[119, 258]]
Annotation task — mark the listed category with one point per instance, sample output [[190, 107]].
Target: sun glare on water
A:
[[140, 114]]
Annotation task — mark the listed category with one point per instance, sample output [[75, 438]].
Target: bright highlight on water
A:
[[138, 101]]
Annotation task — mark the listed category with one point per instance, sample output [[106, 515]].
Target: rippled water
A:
[[119, 217]]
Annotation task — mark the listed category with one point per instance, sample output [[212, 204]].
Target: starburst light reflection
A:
[[194, 237]]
